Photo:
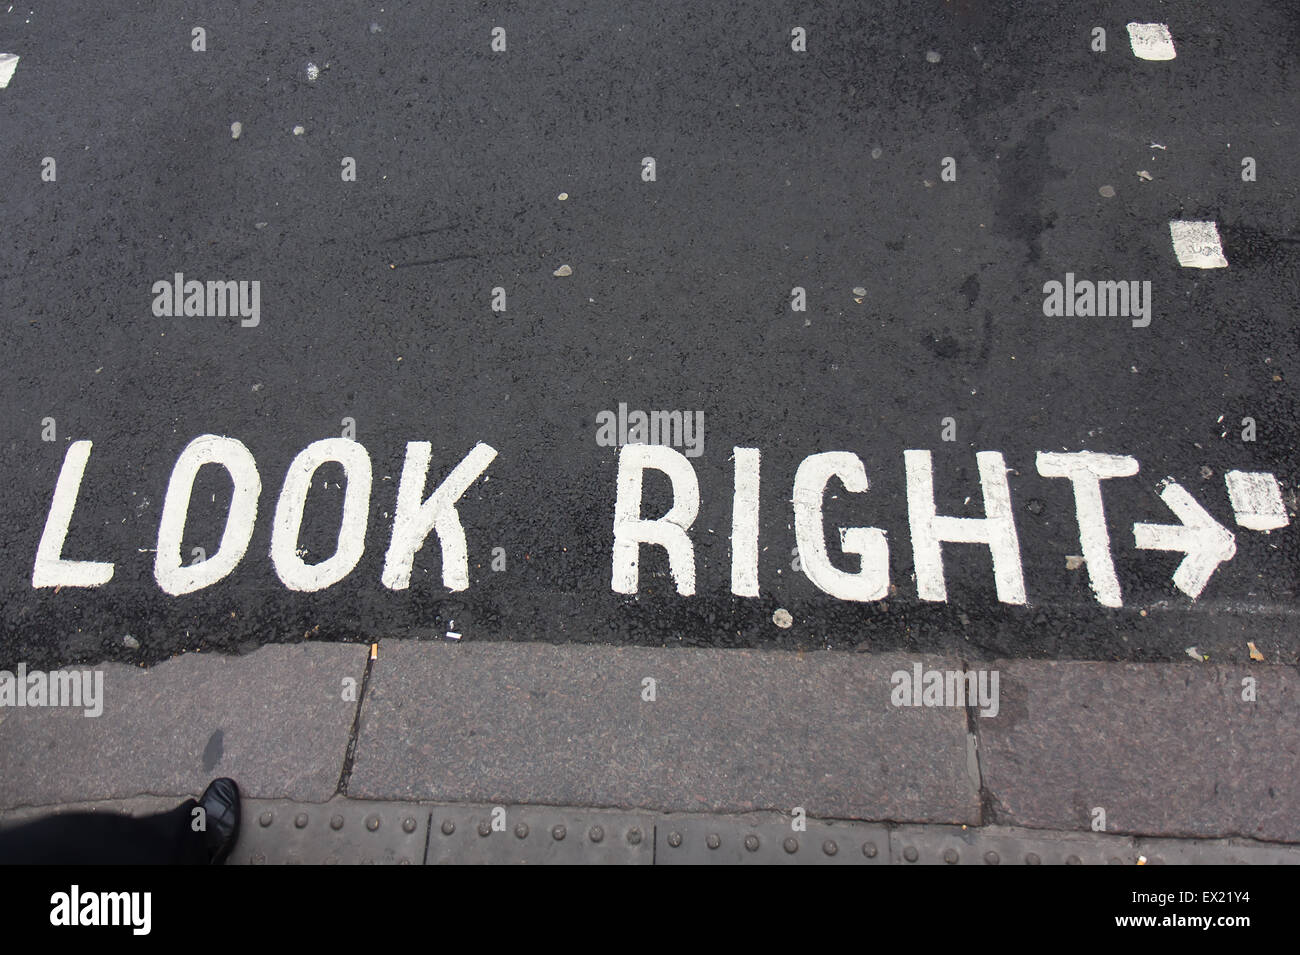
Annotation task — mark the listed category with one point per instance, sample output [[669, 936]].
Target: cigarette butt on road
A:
[[374, 651]]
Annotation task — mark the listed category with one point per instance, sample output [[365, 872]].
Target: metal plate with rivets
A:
[[1215, 852], [339, 832], [349, 832], [481, 834], [993, 845], [767, 839]]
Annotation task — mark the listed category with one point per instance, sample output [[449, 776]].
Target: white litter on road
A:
[[1197, 245], [1151, 41], [313, 71], [1257, 500], [8, 63]]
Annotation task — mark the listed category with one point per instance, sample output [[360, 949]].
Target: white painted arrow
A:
[[1205, 541], [8, 63]]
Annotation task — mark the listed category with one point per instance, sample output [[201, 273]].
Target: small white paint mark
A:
[[1256, 500], [236, 130], [562, 196], [1151, 41], [1197, 244], [298, 130], [8, 63], [313, 71]]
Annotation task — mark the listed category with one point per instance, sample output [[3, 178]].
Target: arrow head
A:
[[1205, 541]]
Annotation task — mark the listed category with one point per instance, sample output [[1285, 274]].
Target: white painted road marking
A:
[[1205, 541], [51, 570], [1256, 500], [669, 531], [1151, 41], [997, 529], [289, 567], [414, 520], [1085, 471], [1197, 244], [8, 63], [744, 524], [172, 575], [868, 543]]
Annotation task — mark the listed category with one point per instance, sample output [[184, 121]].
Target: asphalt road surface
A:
[[915, 175]]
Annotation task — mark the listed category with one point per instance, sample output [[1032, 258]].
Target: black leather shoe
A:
[[220, 803]]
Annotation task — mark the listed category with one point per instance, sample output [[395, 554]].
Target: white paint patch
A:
[[313, 71], [744, 524], [1197, 245], [1151, 41], [175, 578], [414, 520], [669, 531], [997, 529], [1205, 541], [1256, 500], [1086, 470], [8, 63], [51, 570], [871, 582], [289, 565]]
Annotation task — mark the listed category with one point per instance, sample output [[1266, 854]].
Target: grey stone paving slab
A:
[[728, 731], [1165, 750], [275, 720]]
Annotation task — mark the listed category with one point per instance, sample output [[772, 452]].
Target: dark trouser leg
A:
[[106, 839]]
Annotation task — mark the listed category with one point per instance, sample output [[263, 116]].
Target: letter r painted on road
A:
[[669, 531]]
